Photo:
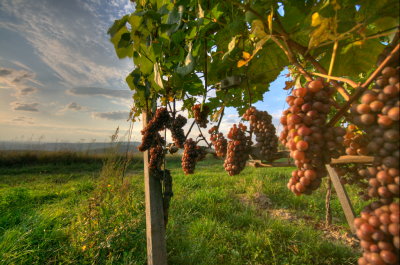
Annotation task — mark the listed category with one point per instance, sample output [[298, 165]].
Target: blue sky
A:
[[60, 78]]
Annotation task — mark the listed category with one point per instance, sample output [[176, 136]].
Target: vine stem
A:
[[201, 133], [220, 118], [190, 129], [361, 89], [342, 79], [291, 58]]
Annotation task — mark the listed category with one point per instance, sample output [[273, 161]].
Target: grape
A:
[[191, 154], [156, 157], [264, 130], [218, 141], [311, 143], [381, 124], [238, 150], [156, 124], [200, 114], [177, 133], [379, 234]]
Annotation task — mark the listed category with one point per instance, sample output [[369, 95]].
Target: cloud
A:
[[26, 91], [98, 91], [19, 80], [22, 119], [113, 115], [73, 106], [25, 106], [4, 71], [71, 38]]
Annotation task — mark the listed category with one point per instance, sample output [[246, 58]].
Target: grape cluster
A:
[[238, 149], [150, 132], [378, 229], [355, 141], [200, 115], [264, 130], [156, 156], [177, 133], [191, 154], [311, 143], [218, 141], [383, 183], [378, 115]]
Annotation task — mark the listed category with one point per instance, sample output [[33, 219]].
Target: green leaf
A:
[[158, 75], [188, 65], [354, 58], [118, 24], [231, 46], [175, 17], [144, 64], [125, 40], [122, 46], [216, 11]]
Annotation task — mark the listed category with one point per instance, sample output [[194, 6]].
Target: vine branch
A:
[[361, 89], [342, 79]]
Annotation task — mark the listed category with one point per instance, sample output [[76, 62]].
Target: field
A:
[[92, 213]]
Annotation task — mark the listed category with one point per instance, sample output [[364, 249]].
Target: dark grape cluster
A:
[[355, 141], [264, 130], [311, 143], [378, 114], [177, 133], [201, 114], [238, 149], [378, 229], [218, 141], [150, 132], [156, 156], [190, 156]]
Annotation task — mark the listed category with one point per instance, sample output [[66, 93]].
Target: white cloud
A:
[[113, 115], [32, 107], [19, 80], [70, 40], [98, 91], [73, 106], [23, 120]]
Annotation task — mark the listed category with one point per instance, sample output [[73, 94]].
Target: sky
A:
[[60, 79]]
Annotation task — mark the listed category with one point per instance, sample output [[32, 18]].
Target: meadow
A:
[[92, 212]]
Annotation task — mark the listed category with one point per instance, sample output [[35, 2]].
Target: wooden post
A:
[[343, 197], [155, 230]]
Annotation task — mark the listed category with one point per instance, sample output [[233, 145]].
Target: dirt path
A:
[[332, 232]]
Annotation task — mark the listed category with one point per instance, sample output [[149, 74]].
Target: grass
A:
[[86, 213]]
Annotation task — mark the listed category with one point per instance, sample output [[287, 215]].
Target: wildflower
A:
[[83, 247]]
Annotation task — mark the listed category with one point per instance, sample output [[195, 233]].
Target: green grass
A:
[[83, 214]]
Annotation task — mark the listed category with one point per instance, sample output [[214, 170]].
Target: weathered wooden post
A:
[[343, 197], [155, 229]]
